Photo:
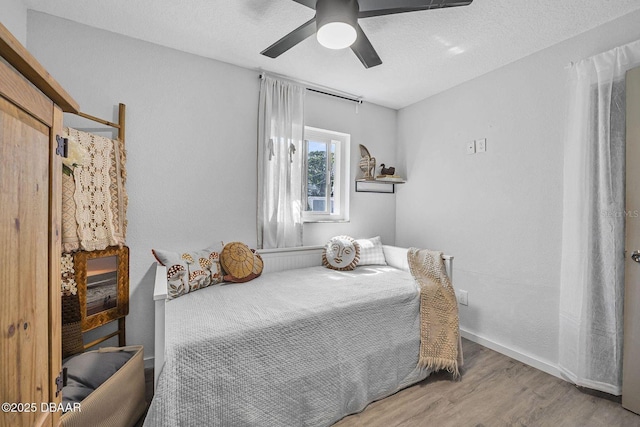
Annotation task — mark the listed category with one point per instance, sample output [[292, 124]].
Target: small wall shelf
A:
[[377, 185]]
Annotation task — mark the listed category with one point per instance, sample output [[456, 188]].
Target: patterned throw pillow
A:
[[371, 252], [189, 271], [341, 253], [240, 263]]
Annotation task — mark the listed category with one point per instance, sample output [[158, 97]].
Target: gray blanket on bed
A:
[[295, 348]]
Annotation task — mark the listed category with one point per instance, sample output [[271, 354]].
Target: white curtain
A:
[[592, 277], [280, 133]]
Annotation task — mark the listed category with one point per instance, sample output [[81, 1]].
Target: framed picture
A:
[[103, 285]]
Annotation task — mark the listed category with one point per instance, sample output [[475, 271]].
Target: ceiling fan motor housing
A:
[[328, 11]]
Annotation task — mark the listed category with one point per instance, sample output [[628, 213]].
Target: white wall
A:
[[499, 212], [375, 127], [13, 15], [191, 144]]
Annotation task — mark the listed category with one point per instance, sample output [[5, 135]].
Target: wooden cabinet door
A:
[[28, 319]]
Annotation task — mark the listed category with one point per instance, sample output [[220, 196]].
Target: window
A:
[[326, 175]]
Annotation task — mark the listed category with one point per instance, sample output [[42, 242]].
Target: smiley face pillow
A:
[[341, 253]]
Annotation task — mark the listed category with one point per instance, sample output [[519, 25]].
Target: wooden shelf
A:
[[377, 185]]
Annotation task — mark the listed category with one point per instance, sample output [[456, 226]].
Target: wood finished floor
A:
[[495, 390]]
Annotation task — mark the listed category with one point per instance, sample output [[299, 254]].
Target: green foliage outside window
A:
[[317, 173]]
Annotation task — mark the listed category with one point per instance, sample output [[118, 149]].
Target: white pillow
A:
[[371, 252]]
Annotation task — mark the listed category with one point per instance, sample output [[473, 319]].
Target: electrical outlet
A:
[[471, 147], [481, 145], [463, 297]]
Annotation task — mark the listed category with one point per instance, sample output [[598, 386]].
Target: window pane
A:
[[316, 176]]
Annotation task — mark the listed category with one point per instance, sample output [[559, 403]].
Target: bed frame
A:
[[274, 260]]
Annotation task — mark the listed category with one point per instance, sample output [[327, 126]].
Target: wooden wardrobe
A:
[[31, 107]]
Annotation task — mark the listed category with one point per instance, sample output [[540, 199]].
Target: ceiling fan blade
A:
[[291, 39], [308, 3], [364, 50], [369, 8]]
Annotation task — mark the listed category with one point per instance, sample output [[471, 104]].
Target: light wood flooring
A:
[[495, 390]]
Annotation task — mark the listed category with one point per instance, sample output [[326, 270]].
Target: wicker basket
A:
[[119, 401]]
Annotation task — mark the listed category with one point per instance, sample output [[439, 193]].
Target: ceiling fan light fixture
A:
[[336, 22], [336, 35]]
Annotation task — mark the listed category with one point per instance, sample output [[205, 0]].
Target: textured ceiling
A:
[[423, 53]]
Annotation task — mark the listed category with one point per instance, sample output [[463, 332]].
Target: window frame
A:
[[342, 174]]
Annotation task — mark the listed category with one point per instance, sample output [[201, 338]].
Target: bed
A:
[[301, 345]]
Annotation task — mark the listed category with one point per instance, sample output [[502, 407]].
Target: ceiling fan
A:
[[336, 24]]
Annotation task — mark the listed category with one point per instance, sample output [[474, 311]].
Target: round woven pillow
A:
[[341, 253], [258, 264], [237, 260]]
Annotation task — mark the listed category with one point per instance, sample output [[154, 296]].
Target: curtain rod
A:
[[315, 88], [358, 100]]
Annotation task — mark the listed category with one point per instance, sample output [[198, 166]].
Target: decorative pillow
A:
[[341, 253], [371, 252], [189, 271], [240, 263]]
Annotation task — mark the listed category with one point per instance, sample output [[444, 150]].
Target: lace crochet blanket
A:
[[440, 344], [94, 199]]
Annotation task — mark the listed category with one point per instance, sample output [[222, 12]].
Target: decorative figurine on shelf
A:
[[387, 171], [367, 163]]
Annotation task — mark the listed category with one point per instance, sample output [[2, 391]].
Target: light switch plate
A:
[[463, 297], [471, 147], [481, 145]]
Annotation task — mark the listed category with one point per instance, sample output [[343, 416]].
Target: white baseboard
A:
[[527, 359]]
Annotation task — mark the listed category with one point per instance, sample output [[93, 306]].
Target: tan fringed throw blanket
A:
[[440, 344]]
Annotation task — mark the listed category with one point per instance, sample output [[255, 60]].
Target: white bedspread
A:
[[295, 348]]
